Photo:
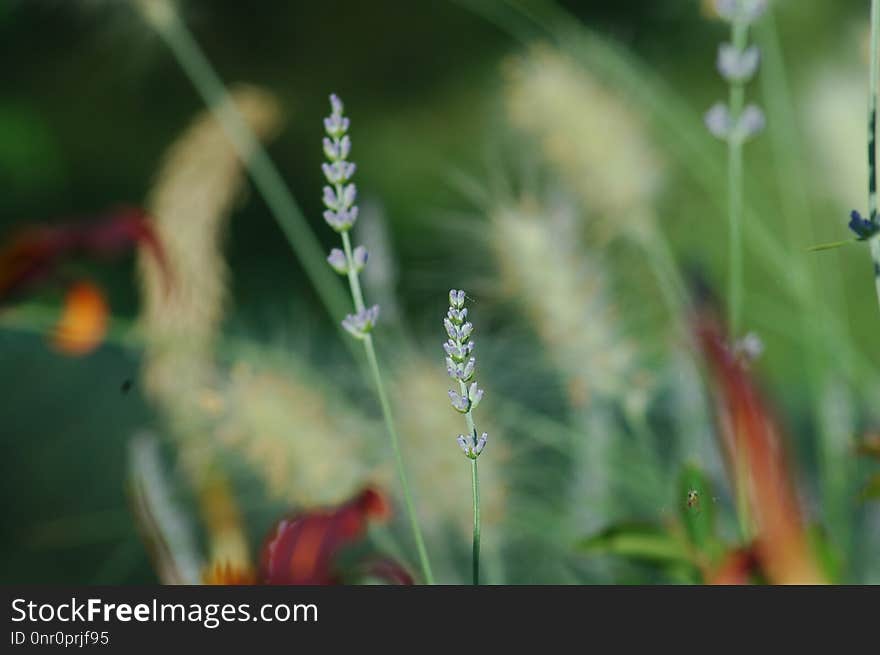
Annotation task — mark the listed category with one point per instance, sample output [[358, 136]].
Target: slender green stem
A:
[[739, 39], [398, 459], [354, 282], [872, 138], [475, 483], [373, 362], [472, 428]]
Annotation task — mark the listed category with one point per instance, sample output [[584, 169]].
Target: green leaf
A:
[[828, 556], [636, 541], [832, 245]]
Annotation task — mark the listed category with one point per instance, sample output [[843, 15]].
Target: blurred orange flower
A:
[[84, 319]]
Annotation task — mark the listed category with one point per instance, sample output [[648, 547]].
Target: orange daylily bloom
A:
[[84, 320]]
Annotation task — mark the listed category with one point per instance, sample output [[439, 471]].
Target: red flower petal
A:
[[302, 549]]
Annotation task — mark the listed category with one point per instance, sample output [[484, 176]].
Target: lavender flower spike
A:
[[340, 196], [461, 366]]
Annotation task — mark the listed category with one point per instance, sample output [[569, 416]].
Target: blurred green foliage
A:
[[92, 99]]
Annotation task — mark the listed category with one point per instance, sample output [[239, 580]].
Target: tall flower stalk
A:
[[868, 229], [872, 140], [341, 214], [461, 366], [735, 122]]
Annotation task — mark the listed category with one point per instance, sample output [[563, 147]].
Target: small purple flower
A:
[[359, 258], [475, 395], [749, 347], [721, 124], [341, 220], [336, 124], [862, 227], [456, 298], [457, 316], [458, 402], [337, 261], [718, 121], [462, 371], [469, 447], [361, 323], [458, 352], [339, 171], [738, 65], [750, 123], [465, 331]]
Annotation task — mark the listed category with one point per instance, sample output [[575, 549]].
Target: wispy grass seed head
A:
[[195, 191], [565, 292], [594, 140]]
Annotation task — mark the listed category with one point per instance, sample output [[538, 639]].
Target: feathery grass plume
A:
[[341, 213], [602, 151], [461, 367], [565, 293], [272, 419], [194, 193], [309, 450], [735, 123], [593, 139]]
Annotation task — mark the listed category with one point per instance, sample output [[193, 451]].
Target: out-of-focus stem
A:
[[739, 39], [174, 32], [398, 459]]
